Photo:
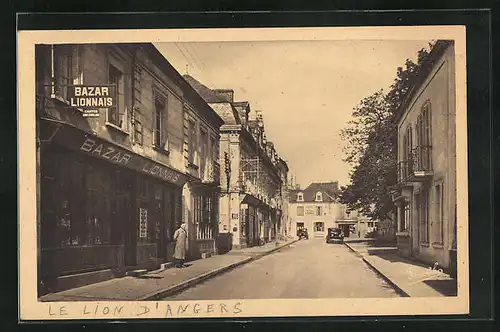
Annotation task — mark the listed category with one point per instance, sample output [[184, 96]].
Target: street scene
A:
[[197, 171], [306, 269]]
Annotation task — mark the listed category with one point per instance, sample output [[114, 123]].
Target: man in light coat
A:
[[180, 238]]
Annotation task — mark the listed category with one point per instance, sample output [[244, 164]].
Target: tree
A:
[[371, 149]]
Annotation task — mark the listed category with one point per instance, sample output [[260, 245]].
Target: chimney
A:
[[226, 95]]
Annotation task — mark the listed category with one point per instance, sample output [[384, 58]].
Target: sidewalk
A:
[[161, 283], [410, 279]]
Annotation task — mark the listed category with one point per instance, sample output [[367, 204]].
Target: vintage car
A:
[[334, 235], [302, 233]]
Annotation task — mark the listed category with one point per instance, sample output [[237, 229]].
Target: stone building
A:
[[426, 194], [250, 202], [315, 208], [113, 188]]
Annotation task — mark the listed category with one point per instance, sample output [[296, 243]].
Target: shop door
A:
[[124, 221]]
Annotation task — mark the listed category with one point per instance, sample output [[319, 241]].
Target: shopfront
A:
[[249, 221], [102, 206], [205, 201]]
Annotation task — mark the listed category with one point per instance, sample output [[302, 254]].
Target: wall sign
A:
[[91, 98], [310, 211], [143, 223], [117, 155]]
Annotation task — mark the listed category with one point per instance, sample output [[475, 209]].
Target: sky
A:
[[306, 90]]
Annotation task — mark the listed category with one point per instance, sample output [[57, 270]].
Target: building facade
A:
[[315, 208], [250, 203], [426, 194], [113, 188], [284, 228]]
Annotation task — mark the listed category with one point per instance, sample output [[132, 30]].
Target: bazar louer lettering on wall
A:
[[114, 155]]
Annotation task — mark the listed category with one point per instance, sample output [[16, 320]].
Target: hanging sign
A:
[[91, 98], [143, 223]]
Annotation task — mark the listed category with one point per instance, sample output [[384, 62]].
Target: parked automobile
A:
[[334, 235], [303, 234]]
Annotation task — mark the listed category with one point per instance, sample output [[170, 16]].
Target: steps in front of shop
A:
[[83, 279]]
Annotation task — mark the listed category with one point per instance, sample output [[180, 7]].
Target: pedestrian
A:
[[180, 238]]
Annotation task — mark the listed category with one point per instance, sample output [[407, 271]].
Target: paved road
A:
[[306, 269]]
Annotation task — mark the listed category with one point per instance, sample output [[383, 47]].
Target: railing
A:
[[419, 160], [205, 231]]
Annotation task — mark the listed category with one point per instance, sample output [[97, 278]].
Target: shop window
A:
[[84, 208], [117, 114], [300, 210]]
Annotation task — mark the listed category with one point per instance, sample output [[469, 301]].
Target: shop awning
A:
[[71, 137]]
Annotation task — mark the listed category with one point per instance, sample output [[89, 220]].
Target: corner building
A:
[[113, 189]]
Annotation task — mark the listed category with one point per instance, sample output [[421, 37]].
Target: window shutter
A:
[[164, 125], [75, 65]]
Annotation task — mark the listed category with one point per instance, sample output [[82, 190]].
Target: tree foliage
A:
[[371, 145]]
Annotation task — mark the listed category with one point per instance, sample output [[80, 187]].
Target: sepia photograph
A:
[[235, 172]]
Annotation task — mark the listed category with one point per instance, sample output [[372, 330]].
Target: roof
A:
[[226, 112], [329, 190], [191, 93], [422, 75], [209, 95]]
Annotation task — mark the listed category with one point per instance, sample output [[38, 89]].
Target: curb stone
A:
[[396, 288], [205, 276]]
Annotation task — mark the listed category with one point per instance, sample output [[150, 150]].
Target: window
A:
[[319, 197], [159, 138], [191, 142], [370, 224], [300, 210], [407, 152], [423, 127], [319, 210], [203, 150], [138, 137], [300, 197], [439, 199], [66, 69], [116, 114], [319, 227], [215, 149], [405, 218], [423, 213]]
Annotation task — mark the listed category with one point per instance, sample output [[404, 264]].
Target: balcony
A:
[[417, 168]]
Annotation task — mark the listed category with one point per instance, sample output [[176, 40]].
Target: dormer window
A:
[[300, 197], [319, 197]]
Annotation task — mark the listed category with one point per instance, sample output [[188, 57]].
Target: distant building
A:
[[315, 208], [426, 194]]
